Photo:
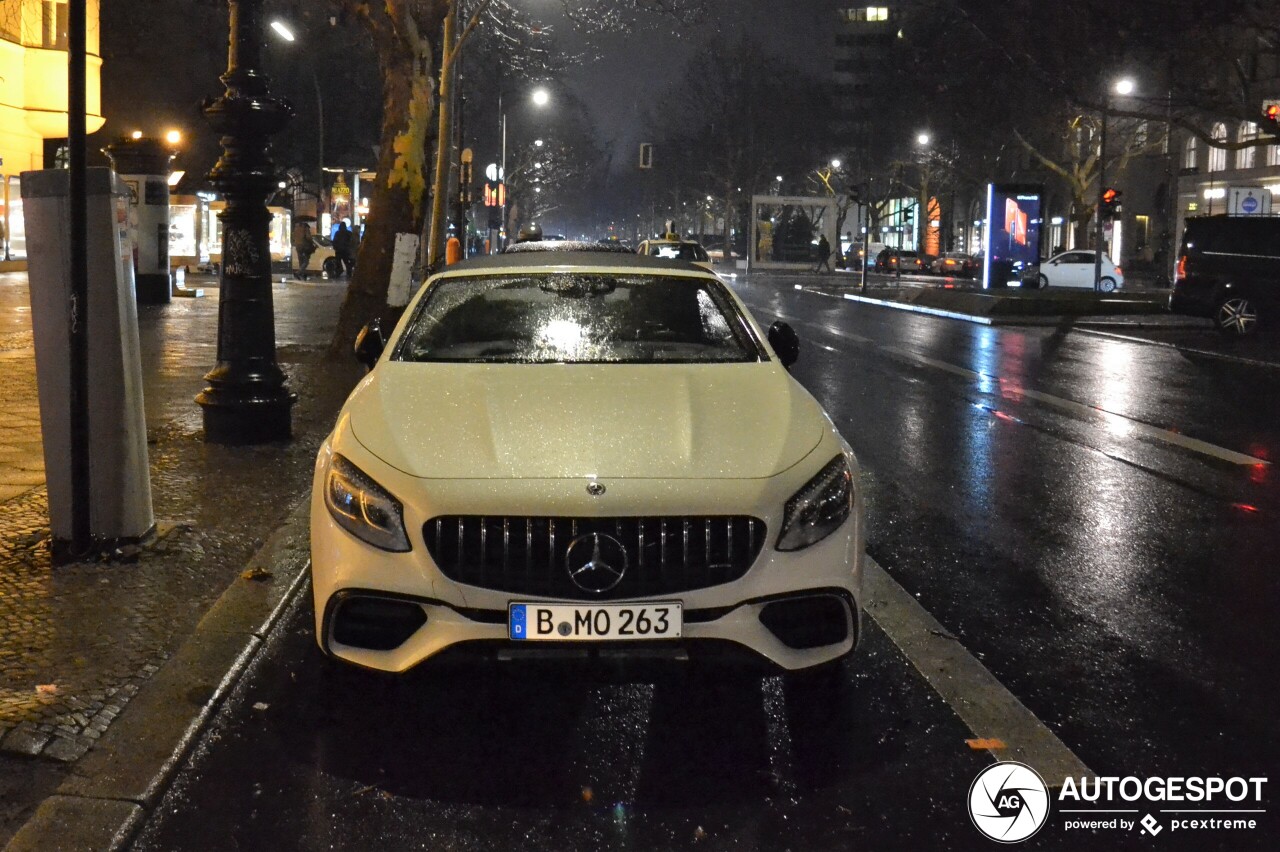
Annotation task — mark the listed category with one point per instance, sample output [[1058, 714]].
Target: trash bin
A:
[[120, 483]]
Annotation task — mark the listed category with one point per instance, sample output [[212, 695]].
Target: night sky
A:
[[637, 69]]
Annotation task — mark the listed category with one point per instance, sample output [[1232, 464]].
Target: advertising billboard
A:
[[1012, 239]]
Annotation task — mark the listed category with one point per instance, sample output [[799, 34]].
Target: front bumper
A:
[[774, 631], [450, 614]]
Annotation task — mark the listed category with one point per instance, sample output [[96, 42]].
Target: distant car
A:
[[890, 259], [1075, 269], [677, 250], [1229, 270], [853, 257], [324, 258], [955, 263], [589, 452]]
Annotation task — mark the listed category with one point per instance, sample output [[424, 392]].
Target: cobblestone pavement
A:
[[77, 641]]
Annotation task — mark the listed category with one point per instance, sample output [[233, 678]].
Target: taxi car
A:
[[584, 450], [687, 250]]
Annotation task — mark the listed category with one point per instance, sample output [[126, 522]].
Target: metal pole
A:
[[81, 503], [246, 401], [315, 80], [1102, 186], [502, 180]]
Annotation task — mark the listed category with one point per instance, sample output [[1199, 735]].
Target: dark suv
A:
[[1229, 271]]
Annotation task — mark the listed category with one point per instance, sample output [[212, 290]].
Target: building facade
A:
[[33, 100]]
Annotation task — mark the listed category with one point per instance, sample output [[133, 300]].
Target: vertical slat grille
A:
[[532, 557]]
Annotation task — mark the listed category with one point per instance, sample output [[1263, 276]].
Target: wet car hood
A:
[[485, 421]]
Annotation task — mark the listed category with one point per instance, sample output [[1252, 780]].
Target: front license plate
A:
[[593, 622]]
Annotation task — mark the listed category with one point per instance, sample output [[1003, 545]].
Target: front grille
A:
[[526, 555]]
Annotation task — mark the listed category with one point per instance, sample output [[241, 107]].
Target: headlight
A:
[[817, 509], [363, 508]]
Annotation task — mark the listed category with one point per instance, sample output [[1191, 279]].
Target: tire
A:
[[1043, 282], [1107, 285], [332, 267], [1236, 316]]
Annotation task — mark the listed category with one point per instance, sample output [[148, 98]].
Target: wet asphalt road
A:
[[1034, 489]]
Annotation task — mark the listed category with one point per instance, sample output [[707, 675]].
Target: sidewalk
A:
[[81, 645]]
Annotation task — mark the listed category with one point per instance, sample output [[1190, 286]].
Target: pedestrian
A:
[[824, 254], [344, 248], [303, 247]]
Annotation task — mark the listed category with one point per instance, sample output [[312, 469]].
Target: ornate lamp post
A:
[[246, 401]]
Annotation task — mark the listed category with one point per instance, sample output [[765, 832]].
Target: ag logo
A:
[[1008, 802]]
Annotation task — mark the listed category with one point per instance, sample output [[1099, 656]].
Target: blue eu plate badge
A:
[[518, 622]]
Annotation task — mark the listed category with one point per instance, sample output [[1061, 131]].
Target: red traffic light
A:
[[1272, 113], [1109, 196]]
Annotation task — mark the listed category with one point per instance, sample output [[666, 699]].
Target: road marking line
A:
[[984, 704], [1118, 423]]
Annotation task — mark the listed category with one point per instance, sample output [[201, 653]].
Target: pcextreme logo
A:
[[1009, 803]]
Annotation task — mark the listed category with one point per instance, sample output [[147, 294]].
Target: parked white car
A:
[[676, 250], [584, 450], [1075, 269]]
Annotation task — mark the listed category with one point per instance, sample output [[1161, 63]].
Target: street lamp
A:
[[922, 139], [1123, 86], [246, 401], [540, 98], [284, 32]]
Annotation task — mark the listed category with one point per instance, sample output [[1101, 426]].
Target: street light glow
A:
[[835, 164], [137, 134], [173, 137], [541, 97], [922, 139], [537, 143], [282, 30], [1124, 86]]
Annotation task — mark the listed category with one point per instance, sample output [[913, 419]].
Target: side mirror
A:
[[370, 342], [785, 342]]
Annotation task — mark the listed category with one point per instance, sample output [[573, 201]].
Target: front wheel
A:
[[1107, 285], [1237, 316], [1043, 281]]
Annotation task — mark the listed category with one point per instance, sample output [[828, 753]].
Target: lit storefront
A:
[[33, 101]]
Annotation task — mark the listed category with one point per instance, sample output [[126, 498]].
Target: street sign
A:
[[1249, 201]]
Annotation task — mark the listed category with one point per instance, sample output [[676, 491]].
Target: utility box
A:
[[120, 482]]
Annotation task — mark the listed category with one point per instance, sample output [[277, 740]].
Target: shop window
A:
[[54, 23], [1246, 157], [1218, 156]]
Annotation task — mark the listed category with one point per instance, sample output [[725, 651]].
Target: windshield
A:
[[550, 317]]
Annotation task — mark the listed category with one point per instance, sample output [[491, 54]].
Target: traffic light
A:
[[1271, 115], [909, 215], [1110, 201]]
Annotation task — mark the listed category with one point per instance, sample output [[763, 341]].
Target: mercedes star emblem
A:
[[599, 567]]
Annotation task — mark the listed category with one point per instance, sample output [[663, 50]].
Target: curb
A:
[[114, 787]]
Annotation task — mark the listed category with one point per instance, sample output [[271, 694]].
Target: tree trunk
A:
[[444, 147], [398, 202]]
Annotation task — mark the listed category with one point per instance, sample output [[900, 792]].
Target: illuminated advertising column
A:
[[143, 164]]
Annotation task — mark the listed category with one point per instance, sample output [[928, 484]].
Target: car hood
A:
[[503, 421]]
